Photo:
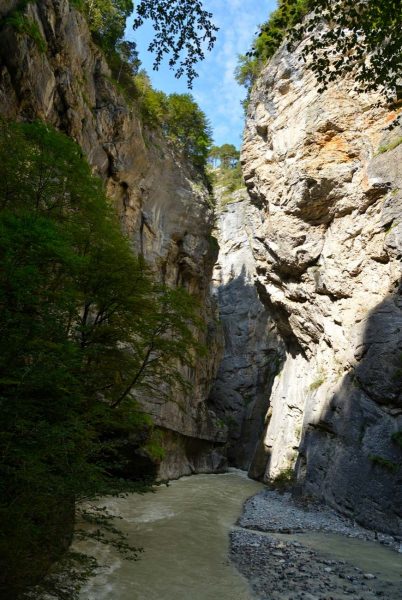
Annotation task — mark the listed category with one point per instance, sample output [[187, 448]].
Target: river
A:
[[184, 531]]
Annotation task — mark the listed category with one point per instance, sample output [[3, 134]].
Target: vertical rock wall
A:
[[325, 172], [240, 394], [162, 203]]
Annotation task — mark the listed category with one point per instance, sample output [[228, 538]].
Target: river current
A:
[[184, 531]]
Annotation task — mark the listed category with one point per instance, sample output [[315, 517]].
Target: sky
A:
[[215, 90]]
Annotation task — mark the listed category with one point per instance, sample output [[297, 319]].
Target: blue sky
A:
[[215, 90]]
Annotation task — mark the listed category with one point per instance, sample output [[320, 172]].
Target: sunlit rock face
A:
[[241, 391], [327, 245], [162, 204]]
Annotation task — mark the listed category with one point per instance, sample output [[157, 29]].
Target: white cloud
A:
[[216, 89]]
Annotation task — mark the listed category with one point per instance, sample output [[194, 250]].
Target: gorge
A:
[[296, 273]]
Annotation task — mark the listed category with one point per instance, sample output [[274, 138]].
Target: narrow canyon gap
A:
[[297, 272]]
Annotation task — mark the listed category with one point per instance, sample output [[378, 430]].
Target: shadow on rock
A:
[[352, 457], [252, 357]]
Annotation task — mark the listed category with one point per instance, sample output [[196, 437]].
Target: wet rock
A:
[[304, 578]]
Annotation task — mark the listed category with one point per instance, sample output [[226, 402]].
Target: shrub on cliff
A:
[[179, 118], [270, 37], [358, 37], [83, 329]]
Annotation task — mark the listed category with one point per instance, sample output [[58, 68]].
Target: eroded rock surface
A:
[[327, 246], [162, 203], [241, 391]]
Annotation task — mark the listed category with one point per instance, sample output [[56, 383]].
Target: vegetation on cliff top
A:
[[358, 36], [183, 28], [271, 35], [361, 37], [179, 118], [84, 329], [225, 170]]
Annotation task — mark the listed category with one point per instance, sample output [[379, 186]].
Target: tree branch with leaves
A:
[[184, 30]]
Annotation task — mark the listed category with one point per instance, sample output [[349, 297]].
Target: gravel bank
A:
[[285, 569], [271, 511]]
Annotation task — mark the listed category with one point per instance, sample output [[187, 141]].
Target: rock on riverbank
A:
[[284, 569]]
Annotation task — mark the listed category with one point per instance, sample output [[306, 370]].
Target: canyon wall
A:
[[162, 202], [324, 173], [241, 391]]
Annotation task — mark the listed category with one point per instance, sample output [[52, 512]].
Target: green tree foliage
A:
[[271, 35], [358, 37], [273, 32], [84, 329], [361, 37], [153, 103], [179, 118], [183, 29], [107, 23], [226, 172], [188, 128], [178, 115], [213, 156], [106, 19], [130, 62], [226, 156]]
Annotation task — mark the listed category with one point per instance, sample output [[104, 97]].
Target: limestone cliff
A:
[[162, 203], [325, 172], [241, 391]]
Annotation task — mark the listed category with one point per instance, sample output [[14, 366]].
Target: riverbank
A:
[[293, 551]]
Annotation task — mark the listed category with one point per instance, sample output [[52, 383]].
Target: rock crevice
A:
[[327, 250]]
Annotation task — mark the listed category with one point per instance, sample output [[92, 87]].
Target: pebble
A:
[[288, 570]]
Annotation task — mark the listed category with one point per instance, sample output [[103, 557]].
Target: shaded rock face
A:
[[241, 391], [327, 246], [162, 205]]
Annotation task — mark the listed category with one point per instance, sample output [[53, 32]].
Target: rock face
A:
[[326, 178], [162, 206], [240, 394]]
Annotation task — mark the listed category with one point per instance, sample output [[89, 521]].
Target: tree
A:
[[213, 156], [106, 19], [84, 330], [188, 128], [227, 155], [182, 29], [130, 62], [266, 43], [359, 37]]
